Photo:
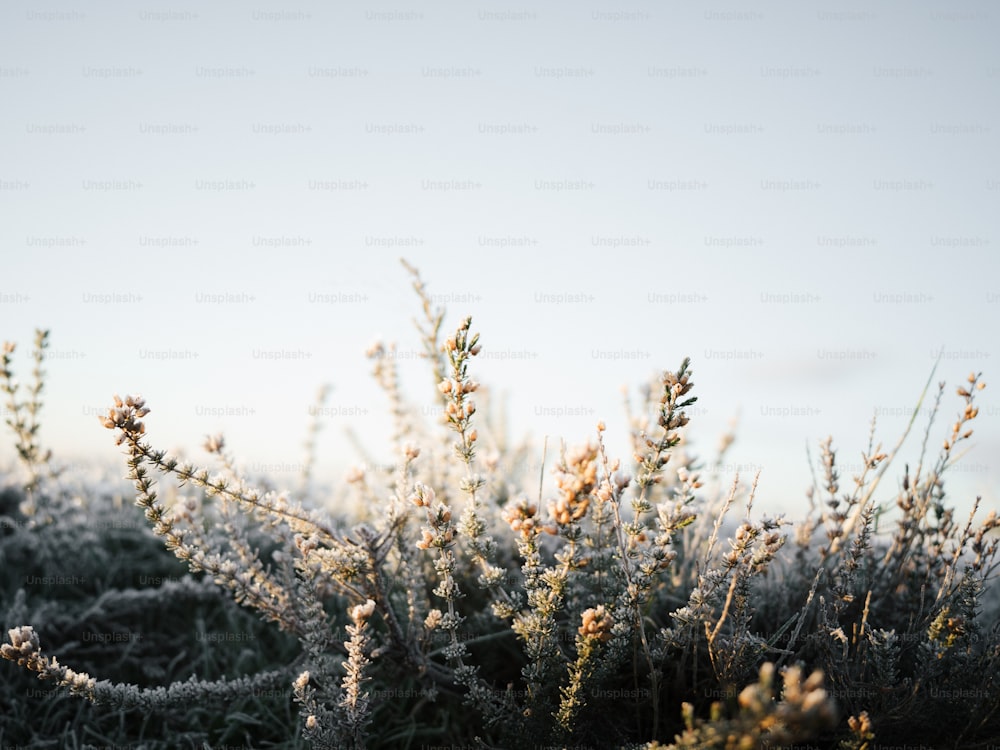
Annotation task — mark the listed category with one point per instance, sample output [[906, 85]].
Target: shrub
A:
[[457, 606]]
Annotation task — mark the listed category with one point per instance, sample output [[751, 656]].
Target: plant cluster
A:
[[458, 605]]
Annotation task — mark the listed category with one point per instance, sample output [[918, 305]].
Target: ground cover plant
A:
[[457, 604]]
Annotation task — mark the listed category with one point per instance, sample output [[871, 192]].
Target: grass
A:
[[462, 607]]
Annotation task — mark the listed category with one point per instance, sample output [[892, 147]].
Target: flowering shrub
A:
[[457, 607]]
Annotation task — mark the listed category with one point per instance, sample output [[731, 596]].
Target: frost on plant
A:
[[464, 604]]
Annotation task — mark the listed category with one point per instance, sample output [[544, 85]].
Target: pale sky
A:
[[803, 198]]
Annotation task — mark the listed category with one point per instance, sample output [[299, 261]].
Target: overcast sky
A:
[[207, 204]]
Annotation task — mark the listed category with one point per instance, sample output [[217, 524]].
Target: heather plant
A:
[[461, 603], [98, 587]]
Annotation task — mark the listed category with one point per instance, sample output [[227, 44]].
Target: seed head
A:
[[361, 612], [597, 624]]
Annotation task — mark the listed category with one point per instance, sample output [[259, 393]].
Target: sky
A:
[[207, 204]]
